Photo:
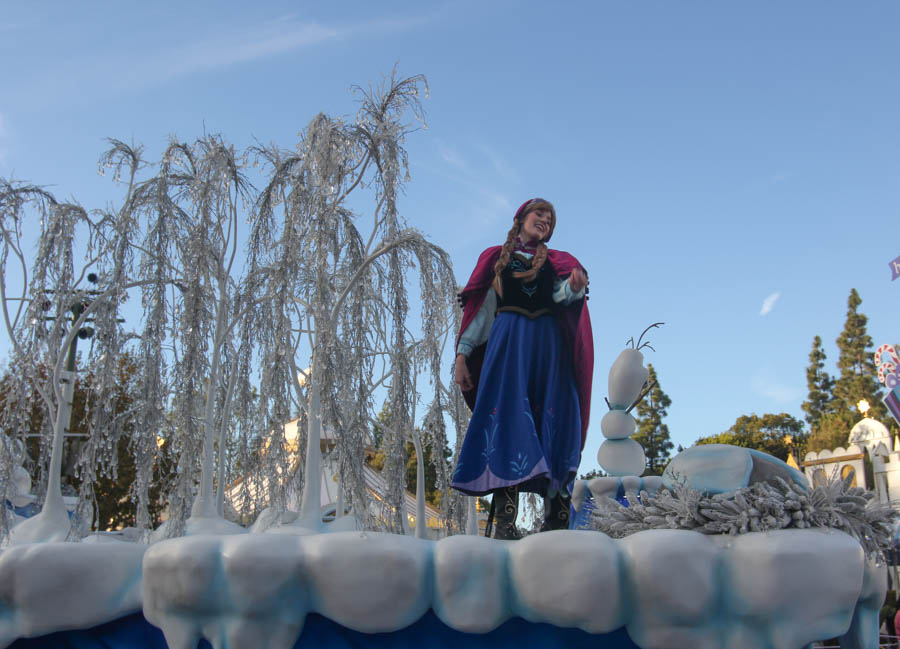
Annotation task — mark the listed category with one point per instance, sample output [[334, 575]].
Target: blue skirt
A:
[[526, 426]]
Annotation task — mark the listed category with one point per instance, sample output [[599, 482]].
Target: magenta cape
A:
[[574, 322]]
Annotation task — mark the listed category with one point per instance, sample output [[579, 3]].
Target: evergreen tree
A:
[[376, 460], [820, 385], [652, 433], [858, 377], [113, 490], [432, 493], [833, 431]]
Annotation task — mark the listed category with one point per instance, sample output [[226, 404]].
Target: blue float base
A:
[[320, 632]]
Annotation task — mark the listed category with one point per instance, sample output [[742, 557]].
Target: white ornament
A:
[[21, 482], [620, 457], [617, 424], [626, 377]]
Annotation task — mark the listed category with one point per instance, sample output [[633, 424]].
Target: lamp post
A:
[[791, 461], [863, 406]]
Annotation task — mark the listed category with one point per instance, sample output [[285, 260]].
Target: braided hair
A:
[[540, 254]]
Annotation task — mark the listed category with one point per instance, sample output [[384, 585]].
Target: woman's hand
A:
[[577, 280], [463, 378]]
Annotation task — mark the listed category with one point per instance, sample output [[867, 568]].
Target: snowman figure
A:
[[620, 456]]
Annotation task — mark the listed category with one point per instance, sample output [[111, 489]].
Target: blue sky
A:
[[729, 168]]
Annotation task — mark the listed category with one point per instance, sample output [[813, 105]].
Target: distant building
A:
[[868, 440], [329, 485]]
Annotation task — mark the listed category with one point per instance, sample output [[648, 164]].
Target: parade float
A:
[[729, 549]]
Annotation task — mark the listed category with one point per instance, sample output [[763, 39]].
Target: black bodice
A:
[[531, 298]]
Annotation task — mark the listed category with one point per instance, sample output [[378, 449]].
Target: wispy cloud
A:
[[500, 165], [497, 202], [229, 45], [769, 303], [451, 156], [489, 203], [779, 178], [242, 43], [218, 46], [234, 46], [767, 384], [4, 136]]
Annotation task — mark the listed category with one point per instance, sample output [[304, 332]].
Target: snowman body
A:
[[619, 455]]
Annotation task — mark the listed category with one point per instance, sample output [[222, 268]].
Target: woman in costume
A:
[[524, 363]]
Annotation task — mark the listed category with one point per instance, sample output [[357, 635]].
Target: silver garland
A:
[[761, 507], [224, 333]]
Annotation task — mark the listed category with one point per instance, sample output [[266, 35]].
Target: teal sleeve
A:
[[477, 331], [563, 293]]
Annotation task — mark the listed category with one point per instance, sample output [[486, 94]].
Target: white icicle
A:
[[472, 516], [310, 504], [421, 529]]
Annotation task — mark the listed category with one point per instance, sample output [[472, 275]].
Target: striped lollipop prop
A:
[[887, 369]]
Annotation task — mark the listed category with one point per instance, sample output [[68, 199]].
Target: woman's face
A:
[[536, 225]]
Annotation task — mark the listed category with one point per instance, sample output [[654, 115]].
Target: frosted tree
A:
[[155, 356], [459, 510], [47, 305], [174, 238], [314, 311], [337, 311], [196, 201], [19, 204]]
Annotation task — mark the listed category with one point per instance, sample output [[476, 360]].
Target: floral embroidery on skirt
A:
[[526, 426]]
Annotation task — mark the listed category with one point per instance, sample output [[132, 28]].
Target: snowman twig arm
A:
[[641, 396]]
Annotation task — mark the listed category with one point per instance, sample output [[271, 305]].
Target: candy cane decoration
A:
[[887, 374], [887, 370]]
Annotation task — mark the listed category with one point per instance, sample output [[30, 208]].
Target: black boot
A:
[[506, 508], [556, 516]]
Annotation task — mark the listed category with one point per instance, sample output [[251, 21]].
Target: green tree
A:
[[113, 488], [820, 398], [376, 460], [856, 361], [833, 431], [652, 433], [767, 433], [432, 493]]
